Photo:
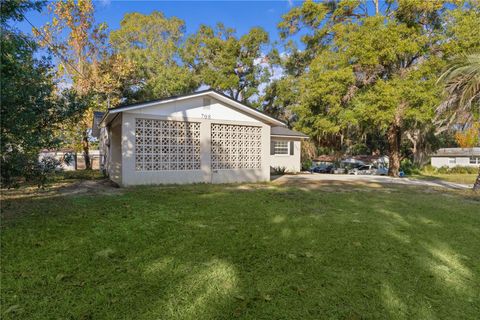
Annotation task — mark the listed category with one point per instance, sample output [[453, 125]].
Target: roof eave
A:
[[289, 136]]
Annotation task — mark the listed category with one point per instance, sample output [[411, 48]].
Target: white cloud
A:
[[290, 3], [105, 3]]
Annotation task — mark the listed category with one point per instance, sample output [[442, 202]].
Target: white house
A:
[[76, 160], [200, 137], [452, 157]]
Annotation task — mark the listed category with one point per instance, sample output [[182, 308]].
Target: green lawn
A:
[[242, 251], [463, 178]]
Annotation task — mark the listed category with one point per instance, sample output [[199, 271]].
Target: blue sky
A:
[[241, 15]]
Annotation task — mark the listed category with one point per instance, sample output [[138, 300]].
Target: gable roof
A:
[[210, 92]]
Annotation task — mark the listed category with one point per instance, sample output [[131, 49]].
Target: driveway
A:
[[305, 178]]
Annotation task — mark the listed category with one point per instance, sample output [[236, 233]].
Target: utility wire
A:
[[52, 47]]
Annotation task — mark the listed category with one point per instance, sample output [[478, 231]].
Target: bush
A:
[[279, 170], [464, 170], [39, 172], [26, 167], [306, 165], [408, 167], [429, 169], [446, 170]]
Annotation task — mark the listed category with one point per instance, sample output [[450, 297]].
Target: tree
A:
[[227, 63], [469, 138], [153, 43], [370, 72], [462, 85], [29, 116], [85, 63]]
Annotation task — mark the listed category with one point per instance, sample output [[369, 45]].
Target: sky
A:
[[241, 15]]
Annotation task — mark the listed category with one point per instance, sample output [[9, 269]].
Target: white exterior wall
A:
[[439, 162], [191, 110], [114, 151], [194, 109], [290, 162]]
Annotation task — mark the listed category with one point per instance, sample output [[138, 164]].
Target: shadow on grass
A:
[[244, 251]]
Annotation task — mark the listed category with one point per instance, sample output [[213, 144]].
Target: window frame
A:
[[287, 148], [476, 160]]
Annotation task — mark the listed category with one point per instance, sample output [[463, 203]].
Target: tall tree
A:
[[85, 63], [153, 42], [462, 84], [227, 63], [30, 112], [373, 70]]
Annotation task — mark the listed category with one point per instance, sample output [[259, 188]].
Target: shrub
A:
[[306, 165], [408, 167], [446, 170], [279, 170], [429, 169], [39, 172], [464, 170], [442, 170]]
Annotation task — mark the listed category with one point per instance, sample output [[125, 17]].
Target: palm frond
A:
[[462, 84]]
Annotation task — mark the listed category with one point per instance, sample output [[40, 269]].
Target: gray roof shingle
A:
[[283, 131], [457, 152]]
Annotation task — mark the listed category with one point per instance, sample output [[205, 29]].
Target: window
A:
[[280, 147], [474, 160], [452, 161]]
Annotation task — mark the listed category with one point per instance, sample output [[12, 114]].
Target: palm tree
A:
[[462, 85]]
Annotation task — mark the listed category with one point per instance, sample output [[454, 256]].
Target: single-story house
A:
[[452, 157], [203, 137], [75, 159]]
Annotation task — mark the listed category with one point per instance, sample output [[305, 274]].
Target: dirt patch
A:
[[103, 186], [78, 187]]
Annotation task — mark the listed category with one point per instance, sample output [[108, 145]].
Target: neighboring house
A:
[[452, 157], [200, 137], [71, 160]]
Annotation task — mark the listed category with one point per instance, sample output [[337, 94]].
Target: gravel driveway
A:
[[316, 177]]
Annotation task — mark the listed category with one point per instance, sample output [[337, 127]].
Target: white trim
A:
[[213, 94], [289, 137]]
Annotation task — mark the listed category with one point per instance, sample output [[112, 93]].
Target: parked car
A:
[[323, 168], [340, 170], [369, 170]]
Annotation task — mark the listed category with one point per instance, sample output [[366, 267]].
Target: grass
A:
[[242, 251], [463, 178]]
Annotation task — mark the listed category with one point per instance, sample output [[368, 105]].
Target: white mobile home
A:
[[453, 157], [201, 137]]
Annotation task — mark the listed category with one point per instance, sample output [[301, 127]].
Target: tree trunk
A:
[[394, 136], [86, 147], [476, 186], [420, 147]]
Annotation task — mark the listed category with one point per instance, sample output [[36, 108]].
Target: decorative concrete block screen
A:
[[236, 147], [166, 145]]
